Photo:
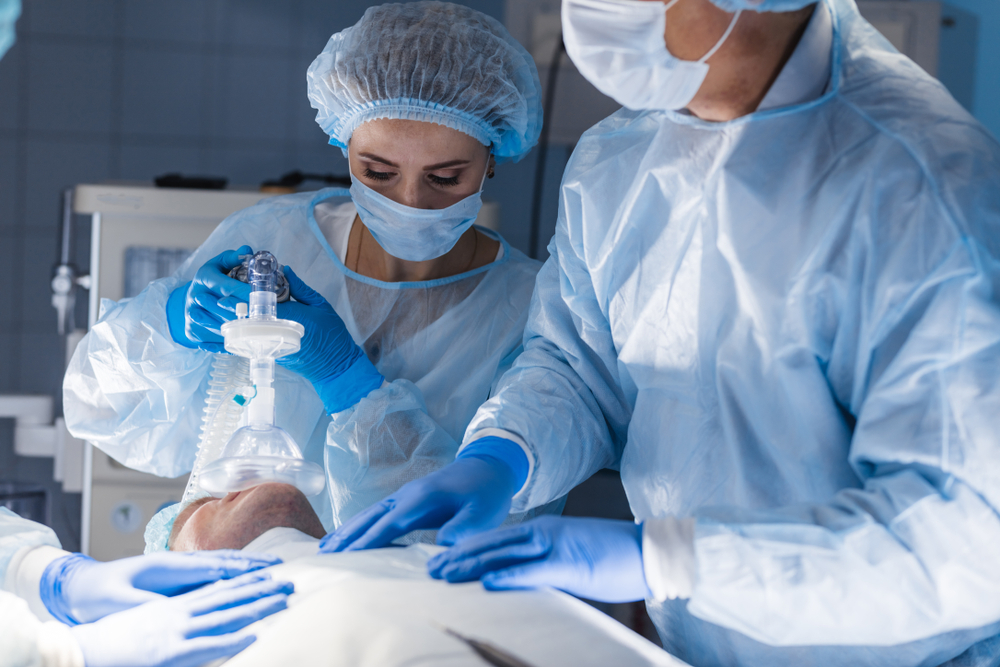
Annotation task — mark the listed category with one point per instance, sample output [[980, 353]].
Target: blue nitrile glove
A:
[[329, 358], [193, 312], [78, 589], [188, 630], [597, 559], [469, 495]]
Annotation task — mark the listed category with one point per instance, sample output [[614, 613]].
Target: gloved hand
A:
[[329, 358], [194, 315], [78, 589], [598, 559], [469, 495], [190, 629]]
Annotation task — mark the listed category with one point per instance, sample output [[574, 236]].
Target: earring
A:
[[490, 173]]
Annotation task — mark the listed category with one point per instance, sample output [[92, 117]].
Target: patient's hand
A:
[[239, 518]]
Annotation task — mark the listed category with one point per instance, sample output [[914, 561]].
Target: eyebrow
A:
[[376, 158], [433, 167]]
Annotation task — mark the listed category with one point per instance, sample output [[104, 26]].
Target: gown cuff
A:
[[505, 435], [24, 576], [344, 391], [668, 559]]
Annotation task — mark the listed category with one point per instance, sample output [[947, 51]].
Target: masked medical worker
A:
[[416, 312], [771, 300], [59, 609]]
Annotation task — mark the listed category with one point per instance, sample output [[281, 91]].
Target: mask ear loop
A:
[[722, 40], [482, 183]]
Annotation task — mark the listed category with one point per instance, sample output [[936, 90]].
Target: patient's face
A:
[[237, 519]]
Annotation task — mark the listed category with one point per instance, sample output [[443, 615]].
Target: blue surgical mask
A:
[[414, 234]]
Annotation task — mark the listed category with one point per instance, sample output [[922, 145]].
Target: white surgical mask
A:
[[618, 45], [414, 234]]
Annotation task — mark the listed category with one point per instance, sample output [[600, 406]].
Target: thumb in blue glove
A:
[[184, 631], [78, 589], [597, 559]]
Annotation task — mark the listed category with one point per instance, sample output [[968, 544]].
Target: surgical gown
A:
[[29, 636], [786, 326], [441, 345]]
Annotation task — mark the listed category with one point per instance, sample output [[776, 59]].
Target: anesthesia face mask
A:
[[261, 451]]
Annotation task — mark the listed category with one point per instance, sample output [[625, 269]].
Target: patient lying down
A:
[[380, 607], [236, 520]]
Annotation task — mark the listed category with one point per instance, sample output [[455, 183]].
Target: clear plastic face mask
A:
[[261, 451]]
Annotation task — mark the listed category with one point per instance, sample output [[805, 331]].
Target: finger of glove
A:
[[110, 600], [208, 321], [229, 304], [202, 336], [475, 545], [536, 574], [472, 568], [473, 518], [202, 650], [212, 304], [414, 511], [232, 619], [302, 292], [213, 276], [227, 260], [236, 592], [170, 573], [355, 527]]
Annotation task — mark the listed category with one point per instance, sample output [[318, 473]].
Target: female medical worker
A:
[[772, 298], [422, 312], [103, 616]]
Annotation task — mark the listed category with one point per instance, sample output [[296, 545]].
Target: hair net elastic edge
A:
[[159, 528], [410, 109]]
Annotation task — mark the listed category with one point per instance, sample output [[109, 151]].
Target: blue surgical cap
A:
[[159, 527], [430, 61], [9, 11]]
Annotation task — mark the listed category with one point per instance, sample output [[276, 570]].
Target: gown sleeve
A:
[[29, 642], [26, 548], [138, 395], [132, 391], [563, 398], [16, 534], [914, 552], [384, 441]]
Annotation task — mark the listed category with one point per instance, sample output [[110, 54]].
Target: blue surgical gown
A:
[[787, 327], [441, 345]]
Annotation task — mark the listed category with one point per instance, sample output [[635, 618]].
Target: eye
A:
[[377, 175], [446, 182]]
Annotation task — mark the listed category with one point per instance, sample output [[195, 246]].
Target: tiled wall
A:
[[129, 89]]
